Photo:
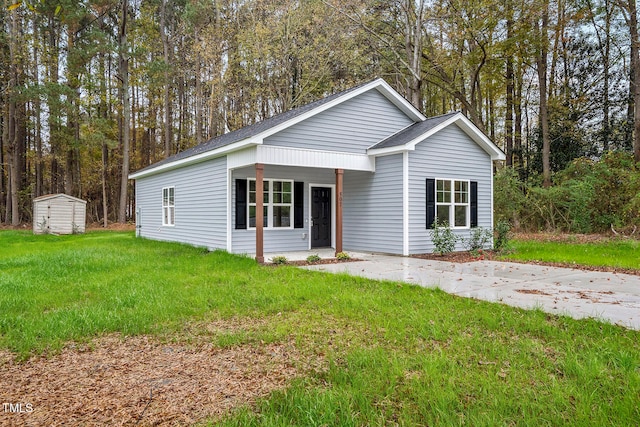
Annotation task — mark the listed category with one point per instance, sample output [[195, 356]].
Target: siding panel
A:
[[373, 207], [448, 154], [200, 204], [352, 126]]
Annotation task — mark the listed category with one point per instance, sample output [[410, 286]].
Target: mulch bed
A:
[[142, 381], [319, 262], [463, 257]]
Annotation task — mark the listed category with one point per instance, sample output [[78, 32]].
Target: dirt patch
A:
[[139, 380]]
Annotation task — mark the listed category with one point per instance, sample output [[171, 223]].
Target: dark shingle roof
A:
[[251, 130], [412, 132]]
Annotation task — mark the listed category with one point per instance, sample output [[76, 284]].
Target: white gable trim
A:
[[197, 158], [379, 84], [463, 123]]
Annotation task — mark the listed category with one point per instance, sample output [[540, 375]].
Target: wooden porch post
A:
[[339, 176], [259, 212]]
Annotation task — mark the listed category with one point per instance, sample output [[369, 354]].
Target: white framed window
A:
[[452, 202], [168, 206], [277, 203]]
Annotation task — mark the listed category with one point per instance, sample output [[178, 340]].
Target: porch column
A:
[[259, 212], [339, 176]]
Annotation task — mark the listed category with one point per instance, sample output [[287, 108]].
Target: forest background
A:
[[93, 89]]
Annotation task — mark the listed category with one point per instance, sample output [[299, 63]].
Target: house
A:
[[358, 170], [59, 214]]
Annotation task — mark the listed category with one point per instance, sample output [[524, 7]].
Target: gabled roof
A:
[[254, 134], [58, 195], [409, 137]]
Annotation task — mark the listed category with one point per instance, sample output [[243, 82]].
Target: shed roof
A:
[[58, 195]]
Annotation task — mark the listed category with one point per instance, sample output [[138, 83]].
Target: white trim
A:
[[304, 157], [333, 212], [405, 203], [197, 158], [491, 196], [229, 204], [463, 123], [379, 84]]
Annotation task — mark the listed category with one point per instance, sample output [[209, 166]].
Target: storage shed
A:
[[59, 214]]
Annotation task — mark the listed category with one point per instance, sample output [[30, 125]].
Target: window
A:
[[277, 203], [168, 206], [452, 202]]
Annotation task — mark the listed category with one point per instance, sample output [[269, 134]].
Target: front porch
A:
[[302, 204]]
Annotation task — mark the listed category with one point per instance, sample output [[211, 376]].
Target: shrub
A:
[[313, 258], [342, 256], [479, 238], [502, 236], [443, 238], [279, 260]]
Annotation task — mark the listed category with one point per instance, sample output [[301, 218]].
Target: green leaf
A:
[[58, 9], [14, 6]]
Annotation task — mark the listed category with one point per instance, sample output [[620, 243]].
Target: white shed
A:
[[59, 213]]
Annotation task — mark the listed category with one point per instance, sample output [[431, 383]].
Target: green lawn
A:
[[611, 253], [395, 353]]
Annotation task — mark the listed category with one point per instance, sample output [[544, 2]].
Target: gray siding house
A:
[[358, 170]]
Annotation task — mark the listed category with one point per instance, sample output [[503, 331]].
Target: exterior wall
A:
[[448, 154], [60, 215], [372, 207], [200, 204], [352, 126], [278, 240]]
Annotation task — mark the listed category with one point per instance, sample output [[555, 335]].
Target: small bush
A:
[[502, 236], [279, 260], [443, 238], [342, 256], [313, 258], [479, 238]]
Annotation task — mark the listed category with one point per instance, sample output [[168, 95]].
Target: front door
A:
[[320, 217]]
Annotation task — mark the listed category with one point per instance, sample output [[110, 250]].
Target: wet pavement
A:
[[610, 297]]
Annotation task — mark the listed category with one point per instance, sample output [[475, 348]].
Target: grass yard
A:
[[613, 253], [390, 353]]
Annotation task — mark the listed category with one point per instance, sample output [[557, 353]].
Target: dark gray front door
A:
[[320, 217]]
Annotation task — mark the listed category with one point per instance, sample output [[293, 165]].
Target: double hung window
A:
[[168, 206], [277, 200], [452, 202]]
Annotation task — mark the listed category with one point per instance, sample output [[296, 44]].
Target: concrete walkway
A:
[[610, 297]]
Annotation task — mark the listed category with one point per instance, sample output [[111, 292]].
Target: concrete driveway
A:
[[610, 297]]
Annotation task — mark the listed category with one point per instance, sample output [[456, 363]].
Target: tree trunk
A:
[[124, 90], [167, 87], [541, 63], [13, 136]]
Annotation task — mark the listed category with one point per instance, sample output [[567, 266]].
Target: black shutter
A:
[[474, 204], [241, 204], [431, 202], [298, 204]]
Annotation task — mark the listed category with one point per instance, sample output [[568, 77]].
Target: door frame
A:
[[333, 212]]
